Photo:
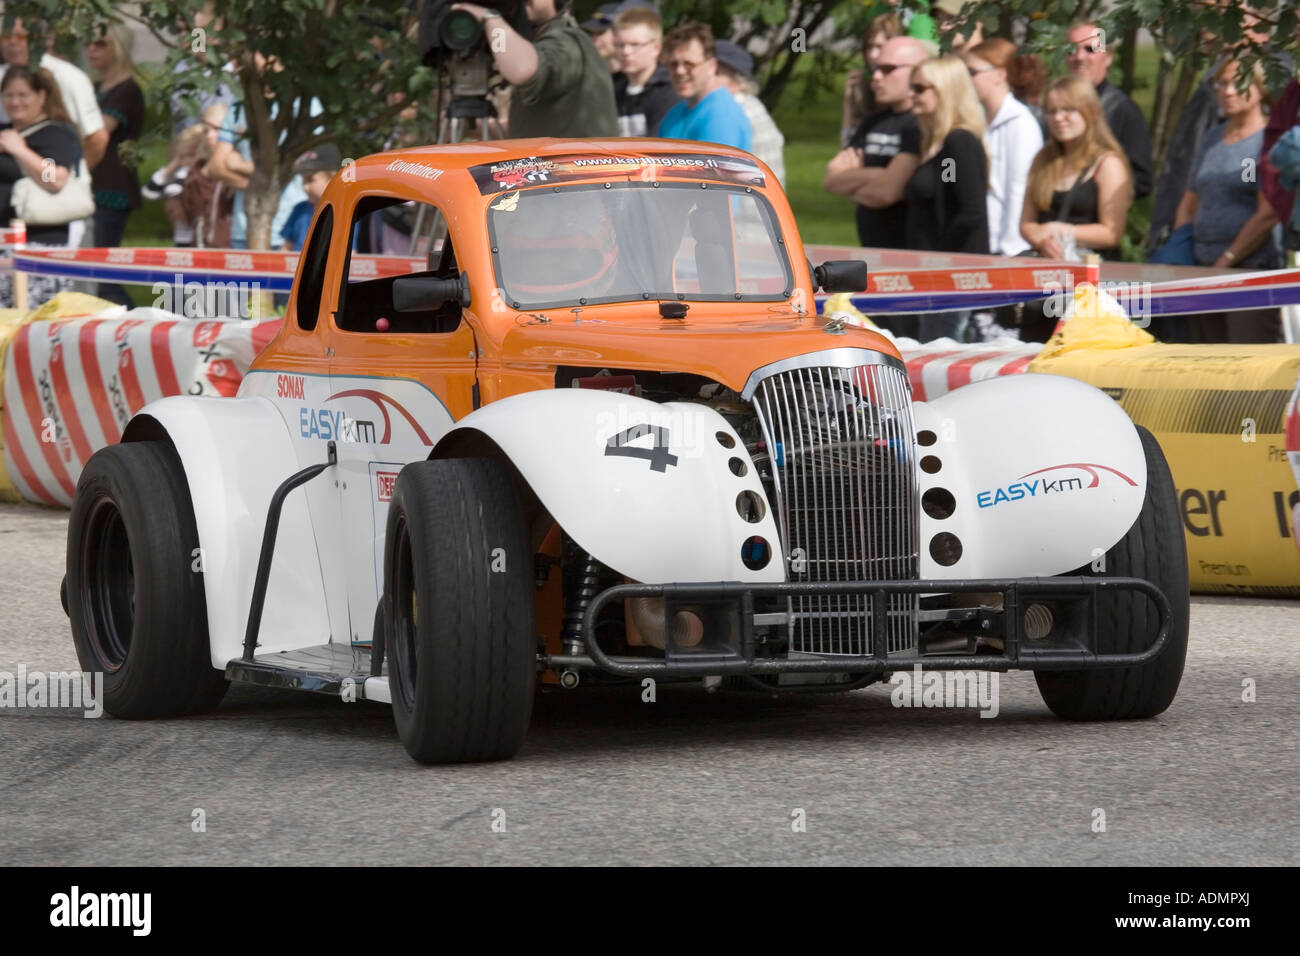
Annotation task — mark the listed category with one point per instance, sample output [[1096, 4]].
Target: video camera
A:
[[454, 39]]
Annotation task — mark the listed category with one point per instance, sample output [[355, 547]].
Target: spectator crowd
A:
[[974, 151]]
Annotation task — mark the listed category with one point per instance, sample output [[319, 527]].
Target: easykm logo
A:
[[383, 401], [1044, 486]]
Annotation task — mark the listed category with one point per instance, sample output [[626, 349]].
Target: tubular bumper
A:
[[1017, 654]]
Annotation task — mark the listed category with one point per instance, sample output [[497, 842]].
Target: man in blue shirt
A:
[[707, 112]]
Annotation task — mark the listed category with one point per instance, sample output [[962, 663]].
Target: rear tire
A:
[[1127, 622], [134, 599], [461, 639]]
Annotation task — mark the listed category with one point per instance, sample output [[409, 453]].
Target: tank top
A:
[[1083, 208]]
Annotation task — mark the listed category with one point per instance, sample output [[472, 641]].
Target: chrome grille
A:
[[841, 445]]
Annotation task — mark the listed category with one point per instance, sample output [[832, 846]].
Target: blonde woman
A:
[[1080, 188], [947, 209]]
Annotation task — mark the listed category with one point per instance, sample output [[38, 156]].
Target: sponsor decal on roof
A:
[[534, 170]]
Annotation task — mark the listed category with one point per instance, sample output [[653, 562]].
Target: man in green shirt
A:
[[559, 84]]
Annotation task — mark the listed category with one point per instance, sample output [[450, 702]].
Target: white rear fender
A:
[[1047, 474], [653, 491], [236, 451]]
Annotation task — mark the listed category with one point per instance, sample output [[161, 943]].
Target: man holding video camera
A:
[[559, 84]]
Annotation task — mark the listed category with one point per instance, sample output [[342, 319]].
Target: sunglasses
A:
[[1089, 48], [919, 88], [884, 69]]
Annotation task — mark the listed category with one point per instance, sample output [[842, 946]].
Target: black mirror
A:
[[425, 293], [841, 275]]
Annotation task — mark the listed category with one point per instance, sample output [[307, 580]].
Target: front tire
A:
[[1127, 622], [134, 597], [460, 614]]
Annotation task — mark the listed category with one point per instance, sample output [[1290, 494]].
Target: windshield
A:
[[582, 245]]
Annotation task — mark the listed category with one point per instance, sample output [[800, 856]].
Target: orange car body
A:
[[513, 352]]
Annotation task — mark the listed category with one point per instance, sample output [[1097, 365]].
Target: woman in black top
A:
[[117, 190], [1079, 188], [947, 196], [41, 131]]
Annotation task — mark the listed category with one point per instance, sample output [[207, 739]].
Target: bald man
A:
[[884, 151]]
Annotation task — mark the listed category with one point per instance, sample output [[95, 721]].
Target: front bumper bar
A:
[[1018, 653]]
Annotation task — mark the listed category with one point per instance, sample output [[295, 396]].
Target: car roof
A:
[[464, 155]]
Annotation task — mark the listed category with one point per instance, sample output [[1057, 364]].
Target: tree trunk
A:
[[1161, 128], [261, 199], [1176, 102], [1128, 59]]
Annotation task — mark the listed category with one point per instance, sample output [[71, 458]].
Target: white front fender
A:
[[649, 490], [1047, 473], [235, 452]]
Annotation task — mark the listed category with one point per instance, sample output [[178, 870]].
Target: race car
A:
[[553, 413]]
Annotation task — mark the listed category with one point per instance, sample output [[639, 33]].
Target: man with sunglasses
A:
[[707, 112], [1090, 57], [884, 151]]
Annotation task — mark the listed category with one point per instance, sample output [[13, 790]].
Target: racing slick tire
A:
[[134, 589], [1127, 622], [461, 638]]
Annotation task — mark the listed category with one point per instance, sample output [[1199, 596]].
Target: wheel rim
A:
[[108, 585], [405, 618]]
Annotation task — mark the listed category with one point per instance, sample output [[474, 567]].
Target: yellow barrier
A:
[[1218, 413]]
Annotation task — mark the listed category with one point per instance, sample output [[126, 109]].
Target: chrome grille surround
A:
[[839, 431]]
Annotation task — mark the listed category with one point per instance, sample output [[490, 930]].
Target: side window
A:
[[312, 282], [392, 239]]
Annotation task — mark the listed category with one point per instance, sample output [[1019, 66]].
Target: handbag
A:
[[1178, 250], [38, 207]]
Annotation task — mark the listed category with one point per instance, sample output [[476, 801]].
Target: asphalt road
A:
[[691, 778]]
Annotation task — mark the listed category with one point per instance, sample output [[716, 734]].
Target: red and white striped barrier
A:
[[70, 386], [271, 271], [937, 369]]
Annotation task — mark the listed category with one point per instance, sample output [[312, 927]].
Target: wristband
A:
[[1229, 255]]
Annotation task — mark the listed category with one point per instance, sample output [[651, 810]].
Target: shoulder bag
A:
[[37, 207]]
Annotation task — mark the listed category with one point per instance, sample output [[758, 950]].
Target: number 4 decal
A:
[[658, 456]]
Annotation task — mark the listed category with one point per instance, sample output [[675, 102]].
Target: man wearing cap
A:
[[600, 27], [316, 167], [736, 67], [707, 112], [643, 90], [559, 84]]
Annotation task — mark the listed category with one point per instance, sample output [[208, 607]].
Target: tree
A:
[[352, 56]]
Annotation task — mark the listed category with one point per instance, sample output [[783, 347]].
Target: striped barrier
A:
[[271, 271], [900, 282], [71, 385], [938, 369]]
